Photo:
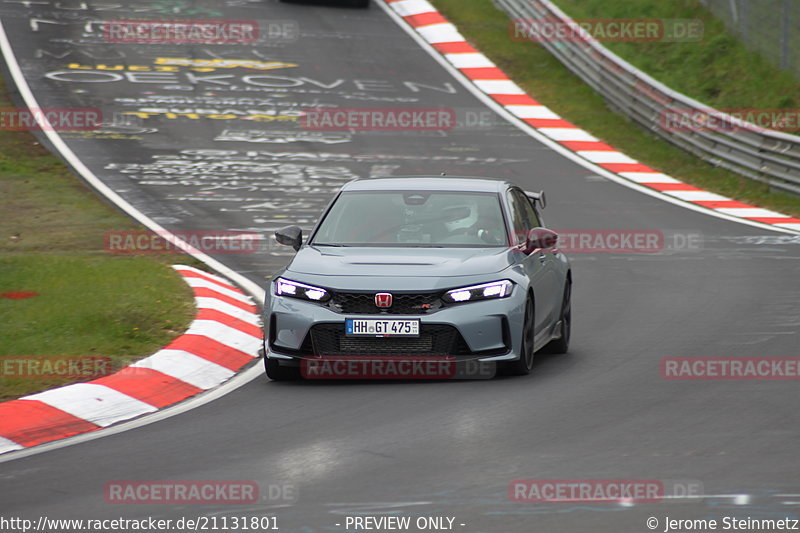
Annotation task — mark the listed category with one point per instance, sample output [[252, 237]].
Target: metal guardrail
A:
[[767, 156]]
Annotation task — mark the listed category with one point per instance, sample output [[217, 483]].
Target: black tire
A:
[[561, 345], [523, 366], [276, 372]]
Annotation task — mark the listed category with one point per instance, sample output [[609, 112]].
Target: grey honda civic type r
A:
[[419, 266]]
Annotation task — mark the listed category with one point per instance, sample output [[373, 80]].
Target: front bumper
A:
[[489, 330]]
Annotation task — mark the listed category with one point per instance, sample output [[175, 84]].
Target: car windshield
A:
[[414, 218]]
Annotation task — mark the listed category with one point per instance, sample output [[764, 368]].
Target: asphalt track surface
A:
[[417, 448]]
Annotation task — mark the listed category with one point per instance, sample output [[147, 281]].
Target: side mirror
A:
[[540, 239], [290, 236]]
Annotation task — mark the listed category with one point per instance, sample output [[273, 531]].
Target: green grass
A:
[[89, 303], [121, 308], [546, 79], [719, 70]]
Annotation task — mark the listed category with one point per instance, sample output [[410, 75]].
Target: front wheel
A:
[[523, 366]]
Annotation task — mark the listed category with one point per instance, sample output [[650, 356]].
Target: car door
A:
[[538, 265]]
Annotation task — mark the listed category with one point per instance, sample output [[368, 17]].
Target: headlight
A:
[[487, 291], [301, 291]]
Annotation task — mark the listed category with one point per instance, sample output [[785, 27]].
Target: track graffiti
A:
[[283, 137]]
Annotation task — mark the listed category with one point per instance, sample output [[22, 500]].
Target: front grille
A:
[[359, 303], [434, 339], [421, 344]]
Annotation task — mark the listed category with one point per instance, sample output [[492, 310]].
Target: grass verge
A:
[[61, 294], [719, 70], [546, 79]]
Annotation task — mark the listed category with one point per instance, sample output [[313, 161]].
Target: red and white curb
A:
[[224, 337], [487, 78]]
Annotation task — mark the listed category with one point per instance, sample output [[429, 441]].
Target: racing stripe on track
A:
[[28, 423], [202, 292], [201, 283], [242, 325], [189, 272], [212, 350], [216, 304], [187, 367], [150, 386], [227, 335], [224, 337], [489, 79], [97, 404]]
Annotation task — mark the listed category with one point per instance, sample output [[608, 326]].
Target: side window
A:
[[519, 216], [533, 218]]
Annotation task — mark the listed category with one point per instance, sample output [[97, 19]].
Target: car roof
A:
[[428, 183]]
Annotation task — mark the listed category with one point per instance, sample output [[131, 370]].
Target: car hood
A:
[[400, 262]]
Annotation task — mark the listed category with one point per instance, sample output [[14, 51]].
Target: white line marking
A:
[[751, 212], [790, 226], [649, 177], [605, 156], [698, 196]]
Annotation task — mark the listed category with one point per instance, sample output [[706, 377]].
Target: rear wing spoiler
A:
[[537, 198]]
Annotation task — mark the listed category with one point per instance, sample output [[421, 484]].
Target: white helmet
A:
[[467, 216]]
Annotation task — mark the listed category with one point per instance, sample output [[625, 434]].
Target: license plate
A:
[[377, 327]]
